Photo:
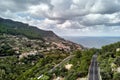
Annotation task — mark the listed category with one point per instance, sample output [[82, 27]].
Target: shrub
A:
[[116, 76]]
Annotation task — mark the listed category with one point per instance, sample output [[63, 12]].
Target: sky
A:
[[66, 17]]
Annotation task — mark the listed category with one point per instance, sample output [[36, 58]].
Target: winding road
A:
[[93, 69], [62, 62]]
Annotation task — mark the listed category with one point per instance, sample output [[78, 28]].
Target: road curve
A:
[[93, 69]]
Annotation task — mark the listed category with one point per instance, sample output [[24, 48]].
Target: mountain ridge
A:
[[18, 28], [17, 24]]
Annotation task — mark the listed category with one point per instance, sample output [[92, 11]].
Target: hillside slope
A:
[[17, 28], [26, 51], [109, 62]]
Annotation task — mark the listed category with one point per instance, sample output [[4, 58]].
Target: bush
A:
[[6, 50], [106, 76], [45, 77], [117, 61], [71, 76], [116, 76], [78, 54], [82, 74]]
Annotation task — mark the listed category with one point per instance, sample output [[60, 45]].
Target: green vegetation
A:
[[14, 67], [109, 61], [6, 50], [30, 67], [18, 28], [80, 65], [25, 54]]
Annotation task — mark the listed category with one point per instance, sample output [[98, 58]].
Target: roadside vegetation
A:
[[29, 53], [25, 59], [79, 66], [109, 62]]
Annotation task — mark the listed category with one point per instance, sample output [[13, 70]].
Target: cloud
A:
[[100, 19], [80, 15], [106, 6]]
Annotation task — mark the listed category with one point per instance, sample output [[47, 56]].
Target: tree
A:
[[45, 77], [117, 61], [116, 76], [78, 54]]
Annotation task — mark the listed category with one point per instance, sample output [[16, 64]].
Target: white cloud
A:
[[80, 16], [106, 6]]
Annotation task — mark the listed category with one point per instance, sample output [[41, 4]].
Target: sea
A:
[[92, 42]]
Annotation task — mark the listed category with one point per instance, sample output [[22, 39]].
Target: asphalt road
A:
[[93, 70]]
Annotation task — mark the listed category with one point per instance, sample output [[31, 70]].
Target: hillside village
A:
[[24, 46]]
